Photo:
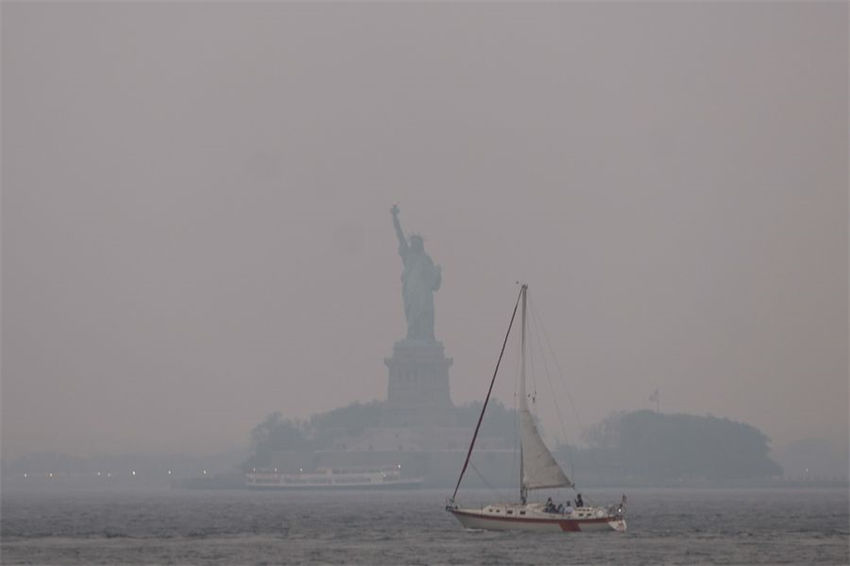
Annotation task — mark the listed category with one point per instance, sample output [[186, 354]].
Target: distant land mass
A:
[[626, 449], [278, 440], [638, 447], [651, 447]]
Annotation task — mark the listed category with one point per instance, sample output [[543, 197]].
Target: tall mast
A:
[[523, 492]]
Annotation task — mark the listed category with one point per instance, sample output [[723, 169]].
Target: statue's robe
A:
[[420, 279]]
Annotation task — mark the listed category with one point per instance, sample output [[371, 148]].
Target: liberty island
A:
[[417, 428]]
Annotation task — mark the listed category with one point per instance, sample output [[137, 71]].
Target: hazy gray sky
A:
[[196, 227]]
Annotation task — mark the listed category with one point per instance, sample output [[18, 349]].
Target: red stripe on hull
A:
[[568, 525]]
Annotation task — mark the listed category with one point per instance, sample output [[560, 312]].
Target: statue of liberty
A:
[[419, 280]]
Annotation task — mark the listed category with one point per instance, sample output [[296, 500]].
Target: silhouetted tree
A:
[[651, 445]]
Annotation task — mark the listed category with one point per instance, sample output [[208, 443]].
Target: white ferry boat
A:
[[328, 478]]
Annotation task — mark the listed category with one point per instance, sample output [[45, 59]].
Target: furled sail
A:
[[539, 468]]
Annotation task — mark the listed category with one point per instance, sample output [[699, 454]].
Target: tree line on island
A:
[[650, 446], [640, 446]]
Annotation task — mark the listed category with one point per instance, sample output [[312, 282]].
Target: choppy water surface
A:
[[160, 526]]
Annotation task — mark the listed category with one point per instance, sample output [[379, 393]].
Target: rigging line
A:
[[535, 320], [515, 446], [489, 391], [533, 373], [561, 373], [564, 384], [483, 479]]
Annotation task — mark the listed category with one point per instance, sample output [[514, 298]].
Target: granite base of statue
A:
[[418, 385]]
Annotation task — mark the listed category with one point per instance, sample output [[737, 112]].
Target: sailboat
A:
[[538, 470]]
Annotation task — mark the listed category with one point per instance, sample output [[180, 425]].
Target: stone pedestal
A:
[[418, 385]]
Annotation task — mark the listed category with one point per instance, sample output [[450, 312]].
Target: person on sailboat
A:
[[579, 502]]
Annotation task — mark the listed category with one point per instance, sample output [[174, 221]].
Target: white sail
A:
[[539, 468]]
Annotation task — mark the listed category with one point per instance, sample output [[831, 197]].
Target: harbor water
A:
[[42, 524]]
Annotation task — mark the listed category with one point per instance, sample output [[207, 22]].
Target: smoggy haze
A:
[[196, 226]]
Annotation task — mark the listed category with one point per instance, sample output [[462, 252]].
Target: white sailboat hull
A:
[[487, 518]]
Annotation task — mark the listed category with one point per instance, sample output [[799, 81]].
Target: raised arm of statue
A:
[[402, 241]]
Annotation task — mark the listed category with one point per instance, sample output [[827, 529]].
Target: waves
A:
[[227, 527]]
